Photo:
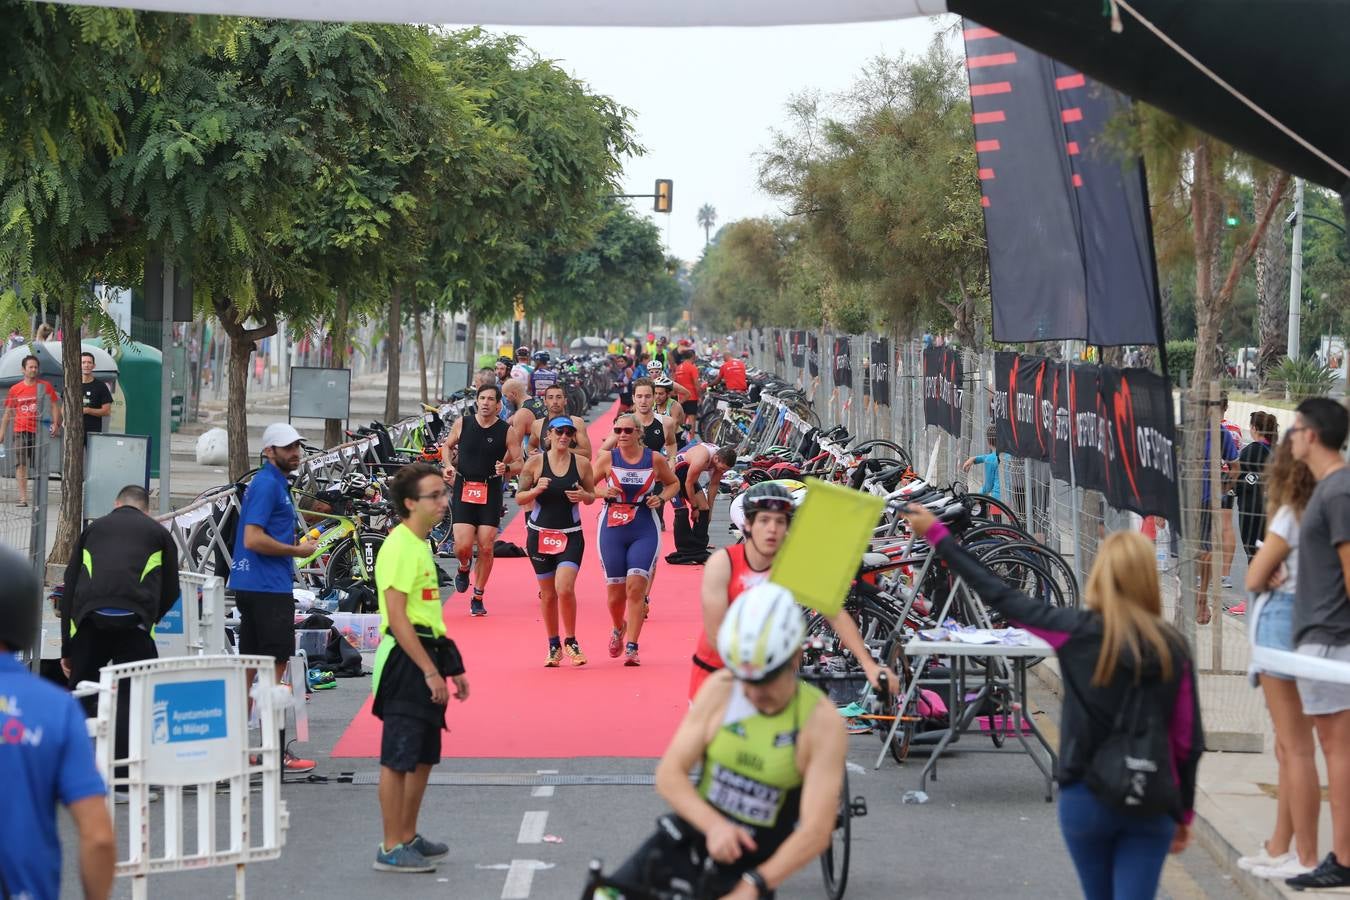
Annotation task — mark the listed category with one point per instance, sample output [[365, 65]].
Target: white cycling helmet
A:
[[761, 632], [355, 483]]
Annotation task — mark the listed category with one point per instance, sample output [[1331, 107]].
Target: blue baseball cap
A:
[[562, 422]]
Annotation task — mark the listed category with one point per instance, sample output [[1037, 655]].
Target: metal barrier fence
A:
[[1069, 519], [202, 527]]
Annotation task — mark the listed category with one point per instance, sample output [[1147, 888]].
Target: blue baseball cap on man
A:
[[562, 422]]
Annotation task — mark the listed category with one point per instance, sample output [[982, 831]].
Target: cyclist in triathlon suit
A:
[[543, 375], [489, 451], [555, 406], [522, 370], [555, 542], [633, 481], [693, 507], [771, 749], [732, 570], [665, 404]]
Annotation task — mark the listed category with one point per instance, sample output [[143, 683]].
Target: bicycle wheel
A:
[[894, 657], [834, 861]]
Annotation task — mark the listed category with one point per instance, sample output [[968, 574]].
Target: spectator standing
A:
[[990, 461], [21, 406], [15, 341], [1116, 652], [1322, 614], [121, 580], [1250, 486], [55, 767], [1228, 478], [1228, 453], [263, 574], [1273, 572], [411, 667], [686, 374], [97, 397]]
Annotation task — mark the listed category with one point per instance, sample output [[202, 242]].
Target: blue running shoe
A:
[[429, 849], [401, 859]]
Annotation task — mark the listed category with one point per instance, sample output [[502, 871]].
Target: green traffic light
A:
[[1232, 221]]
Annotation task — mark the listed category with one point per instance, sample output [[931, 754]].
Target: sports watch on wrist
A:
[[752, 877]]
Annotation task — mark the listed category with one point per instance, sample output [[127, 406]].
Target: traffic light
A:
[[1232, 221], [665, 188]]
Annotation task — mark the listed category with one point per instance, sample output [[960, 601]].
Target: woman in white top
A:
[[1292, 849]]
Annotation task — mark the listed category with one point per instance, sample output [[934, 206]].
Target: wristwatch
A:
[[752, 877]]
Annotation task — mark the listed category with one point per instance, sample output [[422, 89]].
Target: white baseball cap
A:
[[279, 434]]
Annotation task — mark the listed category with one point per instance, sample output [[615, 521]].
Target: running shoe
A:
[[573, 652], [630, 657], [1329, 875], [476, 607], [429, 849], [462, 580], [1262, 857], [1227, 582], [296, 765], [615, 642], [401, 859], [1290, 868], [1237, 609], [554, 658]]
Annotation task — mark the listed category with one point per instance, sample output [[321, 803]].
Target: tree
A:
[[707, 218], [1272, 291]]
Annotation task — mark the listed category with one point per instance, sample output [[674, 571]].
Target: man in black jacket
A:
[[121, 580]]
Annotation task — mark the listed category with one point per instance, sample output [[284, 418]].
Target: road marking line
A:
[[543, 790], [519, 879], [532, 827]]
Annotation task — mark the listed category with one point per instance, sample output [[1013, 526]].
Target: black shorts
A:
[[664, 858], [478, 514], [22, 444], [546, 565], [690, 407], [408, 742], [266, 624], [625, 398]]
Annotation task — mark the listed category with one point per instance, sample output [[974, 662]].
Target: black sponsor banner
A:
[[797, 346], [1143, 473], [813, 354], [778, 354], [1023, 406], [879, 375], [1065, 217], [942, 374], [1116, 423], [843, 363]]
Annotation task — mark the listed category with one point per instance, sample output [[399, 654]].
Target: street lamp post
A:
[[1296, 274]]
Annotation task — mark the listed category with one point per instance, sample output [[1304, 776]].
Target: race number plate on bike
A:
[[551, 542], [474, 492], [620, 514]]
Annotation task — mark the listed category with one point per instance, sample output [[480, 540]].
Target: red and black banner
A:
[[842, 368], [797, 347], [1065, 215], [813, 354], [1106, 429], [879, 372], [778, 354], [942, 374]]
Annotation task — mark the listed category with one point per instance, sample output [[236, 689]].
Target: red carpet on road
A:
[[517, 708]]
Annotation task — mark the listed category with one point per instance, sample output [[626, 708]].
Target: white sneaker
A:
[[1289, 868], [1264, 859]]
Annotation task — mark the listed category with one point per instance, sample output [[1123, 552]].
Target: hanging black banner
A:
[[1058, 376], [778, 345], [797, 343], [1142, 473], [880, 374], [942, 373], [843, 363], [1087, 423], [813, 354]]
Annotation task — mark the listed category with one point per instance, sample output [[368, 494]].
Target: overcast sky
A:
[[705, 99]]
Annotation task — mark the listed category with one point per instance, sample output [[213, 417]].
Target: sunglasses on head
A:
[[624, 429]]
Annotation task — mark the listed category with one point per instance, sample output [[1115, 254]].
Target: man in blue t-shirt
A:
[[46, 758], [263, 573]]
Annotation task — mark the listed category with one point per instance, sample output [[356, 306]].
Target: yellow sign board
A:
[[520, 310], [829, 534]]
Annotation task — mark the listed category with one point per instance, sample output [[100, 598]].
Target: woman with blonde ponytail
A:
[[1117, 654]]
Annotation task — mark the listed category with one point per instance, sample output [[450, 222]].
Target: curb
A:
[[1206, 835]]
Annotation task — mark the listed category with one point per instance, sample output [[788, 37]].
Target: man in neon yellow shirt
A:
[[411, 667]]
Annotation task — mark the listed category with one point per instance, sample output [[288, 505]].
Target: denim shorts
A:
[[1275, 627]]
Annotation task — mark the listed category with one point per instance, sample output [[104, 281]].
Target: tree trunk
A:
[[241, 346], [332, 428], [236, 413], [395, 337], [72, 425], [1272, 292], [1206, 209], [421, 352]]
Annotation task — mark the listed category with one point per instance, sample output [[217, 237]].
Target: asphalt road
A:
[[986, 829]]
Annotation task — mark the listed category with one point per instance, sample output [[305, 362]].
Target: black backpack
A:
[[1131, 770]]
